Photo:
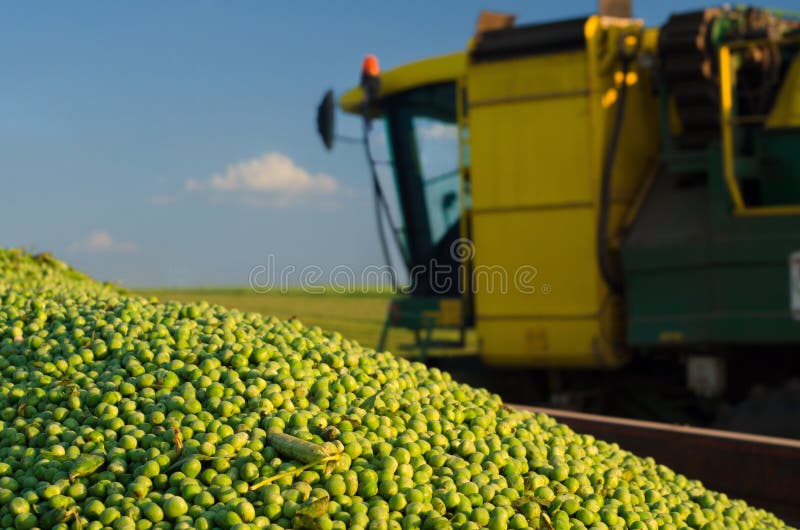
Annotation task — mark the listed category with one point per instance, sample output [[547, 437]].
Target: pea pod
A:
[[85, 465], [302, 521], [53, 456], [297, 449], [372, 402], [315, 508], [53, 517]]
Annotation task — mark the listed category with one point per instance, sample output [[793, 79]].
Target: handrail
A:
[[727, 119]]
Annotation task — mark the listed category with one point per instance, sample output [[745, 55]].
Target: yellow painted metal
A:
[[727, 119], [726, 78], [464, 204], [539, 127], [758, 211], [549, 342], [524, 261], [449, 314], [513, 108], [786, 110], [420, 73], [520, 79]]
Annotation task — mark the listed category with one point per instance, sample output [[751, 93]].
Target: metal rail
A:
[[763, 470], [727, 78]]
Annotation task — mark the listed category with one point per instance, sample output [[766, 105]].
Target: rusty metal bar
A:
[[763, 470]]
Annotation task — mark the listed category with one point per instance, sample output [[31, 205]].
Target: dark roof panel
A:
[[530, 39]]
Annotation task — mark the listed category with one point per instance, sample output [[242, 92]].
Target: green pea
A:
[[480, 515], [174, 507], [152, 512], [109, 515], [18, 505]]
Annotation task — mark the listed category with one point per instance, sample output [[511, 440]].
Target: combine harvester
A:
[[638, 191]]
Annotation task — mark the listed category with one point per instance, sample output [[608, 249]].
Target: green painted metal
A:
[[418, 314], [779, 155], [697, 273]]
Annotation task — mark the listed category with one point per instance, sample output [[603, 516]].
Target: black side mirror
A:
[[325, 119]]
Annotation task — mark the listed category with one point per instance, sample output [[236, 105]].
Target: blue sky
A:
[[129, 130]]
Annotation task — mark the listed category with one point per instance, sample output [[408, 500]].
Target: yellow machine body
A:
[[539, 126]]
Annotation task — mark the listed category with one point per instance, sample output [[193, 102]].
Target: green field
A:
[[356, 316]]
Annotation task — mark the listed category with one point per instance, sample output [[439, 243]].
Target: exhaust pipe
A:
[[615, 8]]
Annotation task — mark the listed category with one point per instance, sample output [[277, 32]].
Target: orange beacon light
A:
[[370, 66]]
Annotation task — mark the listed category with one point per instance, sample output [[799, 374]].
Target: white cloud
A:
[[100, 241], [195, 185], [439, 131], [162, 200], [273, 174]]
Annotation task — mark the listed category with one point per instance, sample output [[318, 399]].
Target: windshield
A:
[[423, 141], [437, 144]]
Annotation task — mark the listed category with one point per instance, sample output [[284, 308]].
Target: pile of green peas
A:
[[126, 413]]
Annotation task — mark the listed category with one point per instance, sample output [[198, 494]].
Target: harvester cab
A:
[[420, 124]]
